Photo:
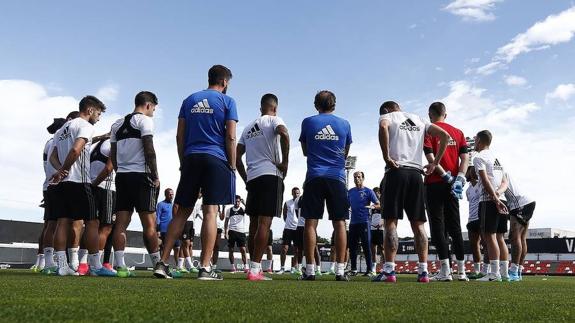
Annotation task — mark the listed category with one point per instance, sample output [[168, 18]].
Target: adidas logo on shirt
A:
[[202, 107], [497, 165], [255, 131], [451, 142], [326, 133], [409, 126]]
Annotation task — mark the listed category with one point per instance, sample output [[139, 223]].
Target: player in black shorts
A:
[[376, 232]]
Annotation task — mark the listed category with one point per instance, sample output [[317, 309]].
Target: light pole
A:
[[349, 166]]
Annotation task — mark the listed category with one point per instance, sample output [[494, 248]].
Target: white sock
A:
[[504, 268], [73, 255], [388, 267], [270, 265], [155, 257], [494, 264], [521, 269], [234, 267], [422, 267], [461, 267], [61, 259], [310, 269], [477, 267], [340, 269], [49, 257], [119, 259], [255, 267], [41, 261], [189, 263], [94, 261], [486, 269], [332, 266], [209, 268], [181, 262], [513, 268], [101, 253], [83, 256], [373, 267], [445, 270]]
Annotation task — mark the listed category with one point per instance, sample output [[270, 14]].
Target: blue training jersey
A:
[[164, 215], [325, 136], [359, 198], [206, 113]]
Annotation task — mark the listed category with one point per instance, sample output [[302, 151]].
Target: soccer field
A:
[[26, 296]]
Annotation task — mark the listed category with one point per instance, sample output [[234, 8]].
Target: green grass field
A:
[[26, 297]]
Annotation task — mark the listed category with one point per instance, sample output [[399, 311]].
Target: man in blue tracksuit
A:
[[362, 200]]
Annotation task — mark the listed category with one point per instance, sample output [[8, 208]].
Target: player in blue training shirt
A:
[[325, 140], [361, 199], [206, 139]]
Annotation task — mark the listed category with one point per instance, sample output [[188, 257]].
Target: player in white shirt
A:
[[234, 227], [473, 225], [401, 137], [266, 169], [45, 257], [376, 232], [137, 181], [521, 209], [491, 208], [291, 218], [74, 196]]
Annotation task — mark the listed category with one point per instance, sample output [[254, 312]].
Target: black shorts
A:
[[377, 237], [105, 205], [74, 201], [298, 242], [319, 191], [289, 237], [189, 232], [265, 196], [210, 174], [136, 191], [236, 238], [524, 213], [490, 219], [49, 210], [220, 230], [270, 238], [474, 226], [404, 191], [177, 243]]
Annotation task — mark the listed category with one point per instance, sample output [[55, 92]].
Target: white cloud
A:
[[412, 26], [108, 93], [514, 80], [473, 10], [562, 92], [555, 29]]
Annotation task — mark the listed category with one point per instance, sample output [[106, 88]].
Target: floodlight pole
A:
[[349, 166]]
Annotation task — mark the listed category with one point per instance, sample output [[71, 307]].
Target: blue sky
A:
[[366, 52]]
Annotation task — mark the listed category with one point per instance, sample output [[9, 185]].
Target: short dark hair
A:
[[145, 97], [73, 115], [387, 107], [167, 190], [295, 188], [360, 172], [238, 197], [268, 99], [485, 137], [91, 101], [324, 101], [218, 73], [376, 190], [437, 109]]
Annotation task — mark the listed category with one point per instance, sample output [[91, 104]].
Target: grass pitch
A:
[[29, 297]]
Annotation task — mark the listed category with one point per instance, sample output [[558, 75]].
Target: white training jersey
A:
[[197, 213], [301, 219], [48, 168], [515, 197], [406, 137], [486, 161], [376, 220], [97, 164], [262, 146], [128, 138], [236, 219], [292, 218], [64, 140], [473, 193]]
